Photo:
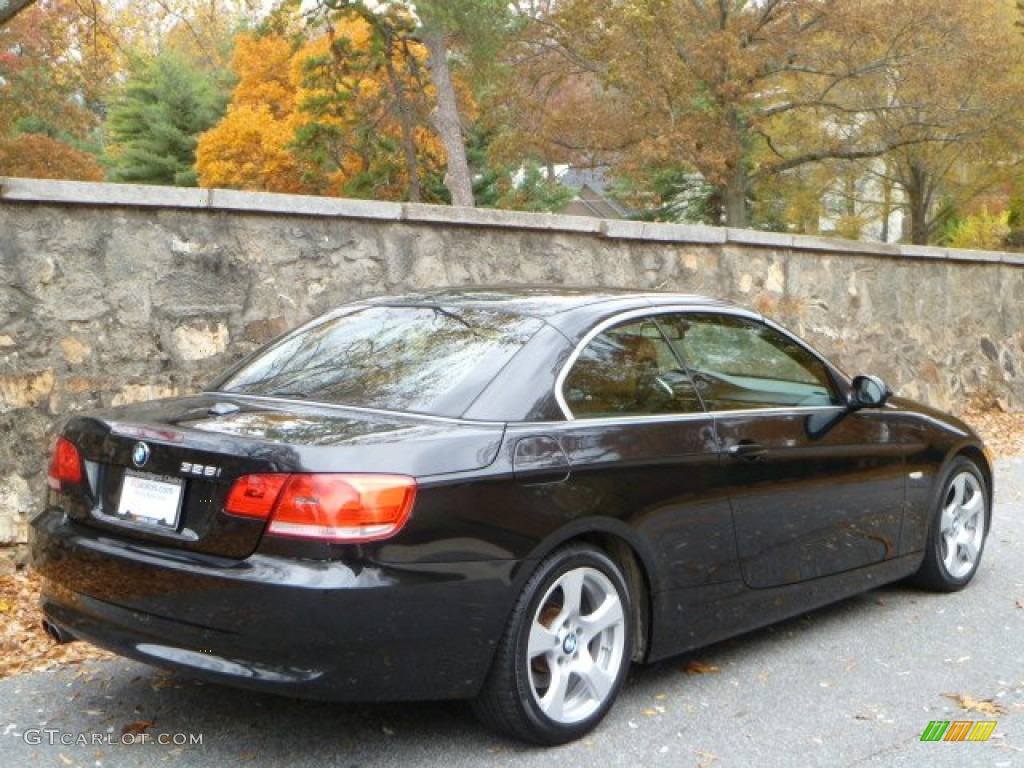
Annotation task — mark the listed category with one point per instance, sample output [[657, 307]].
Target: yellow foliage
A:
[[982, 232], [248, 150], [263, 65]]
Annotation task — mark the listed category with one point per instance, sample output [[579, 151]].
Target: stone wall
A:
[[111, 294]]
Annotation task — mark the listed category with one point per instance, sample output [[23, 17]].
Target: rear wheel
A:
[[958, 529], [565, 651]]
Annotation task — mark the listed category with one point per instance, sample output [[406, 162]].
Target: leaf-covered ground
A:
[[25, 647], [1002, 432]]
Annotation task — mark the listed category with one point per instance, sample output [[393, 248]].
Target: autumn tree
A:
[[41, 157], [53, 71], [167, 103], [363, 103], [546, 103], [672, 82], [250, 148], [743, 92], [964, 109], [340, 109], [468, 28]]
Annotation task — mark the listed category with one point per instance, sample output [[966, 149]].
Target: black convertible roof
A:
[[545, 301]]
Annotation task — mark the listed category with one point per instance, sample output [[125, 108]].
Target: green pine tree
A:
[[166, 104]]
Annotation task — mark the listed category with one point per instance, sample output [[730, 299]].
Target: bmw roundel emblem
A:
[[140, 454]]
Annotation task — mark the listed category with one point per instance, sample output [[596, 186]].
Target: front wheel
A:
[[959, 525], [565, 652]]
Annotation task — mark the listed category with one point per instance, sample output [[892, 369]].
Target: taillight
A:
[[65, 465], [255, 495], [329, 507]]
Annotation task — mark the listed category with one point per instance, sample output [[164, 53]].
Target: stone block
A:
[[197, 342], [265, 329], [17, 501], [26, 390], [139, 393], [75, 351], [656, 232]]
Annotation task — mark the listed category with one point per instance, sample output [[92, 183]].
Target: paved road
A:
[[851, 685]]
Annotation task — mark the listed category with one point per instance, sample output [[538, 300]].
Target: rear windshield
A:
[[432, 360]]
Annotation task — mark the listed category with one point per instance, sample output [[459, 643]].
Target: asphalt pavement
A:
[[855, 684]]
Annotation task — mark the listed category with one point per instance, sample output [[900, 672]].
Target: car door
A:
[[643, 450], [815, 488]]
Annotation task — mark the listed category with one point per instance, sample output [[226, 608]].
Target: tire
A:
[[958, 529], [565, 652]]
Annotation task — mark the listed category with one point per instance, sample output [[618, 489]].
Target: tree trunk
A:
[[919, 229], [886, 208], [915, 186], [446, 119], [11, 8], [734, 198], [405, 120]]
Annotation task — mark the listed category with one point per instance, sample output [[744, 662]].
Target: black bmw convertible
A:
[[504, 495]]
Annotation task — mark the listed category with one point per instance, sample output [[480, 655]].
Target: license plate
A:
[[152, 499]]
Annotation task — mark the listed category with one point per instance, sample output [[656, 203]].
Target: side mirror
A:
[[868, 392]]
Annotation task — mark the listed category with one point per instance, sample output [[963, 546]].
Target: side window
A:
[[629, 369], [738, 363]]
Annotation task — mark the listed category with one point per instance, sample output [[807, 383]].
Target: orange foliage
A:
[[248, 149], [263, 67], [39, 157]]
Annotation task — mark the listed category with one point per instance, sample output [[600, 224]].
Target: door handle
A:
[[747, 450]]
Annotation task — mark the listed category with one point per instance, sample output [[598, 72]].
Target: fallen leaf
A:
[[972, 704], [700, 668], [139, 726]]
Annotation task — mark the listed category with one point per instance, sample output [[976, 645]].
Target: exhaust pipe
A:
[[61, 636]]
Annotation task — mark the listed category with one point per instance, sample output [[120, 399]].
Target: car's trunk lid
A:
[[162, 471]]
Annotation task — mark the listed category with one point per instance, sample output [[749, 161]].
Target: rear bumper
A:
[[333, 630]]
